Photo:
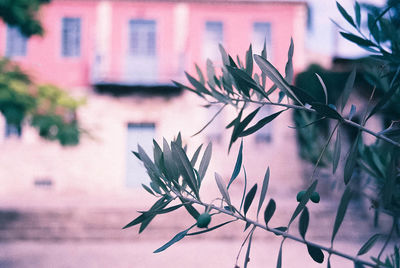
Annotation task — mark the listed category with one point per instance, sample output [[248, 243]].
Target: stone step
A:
[[106, 223]]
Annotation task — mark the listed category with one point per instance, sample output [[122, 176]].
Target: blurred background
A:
[[82, 82]]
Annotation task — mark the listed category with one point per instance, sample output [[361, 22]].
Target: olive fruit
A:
[[203, 220], [300, 195], [315, 197]]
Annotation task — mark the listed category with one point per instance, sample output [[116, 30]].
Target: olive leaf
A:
[[238, 164], [264, 189], [303, 224], [341, 212], [316, 253], [222, 188], [269, 211], [249, 198], [369, 244], [175, 239]]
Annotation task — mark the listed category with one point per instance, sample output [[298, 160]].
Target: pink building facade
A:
[[89, 43], [150, 42]]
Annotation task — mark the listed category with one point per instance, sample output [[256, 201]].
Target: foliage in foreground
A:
[[176, 177]]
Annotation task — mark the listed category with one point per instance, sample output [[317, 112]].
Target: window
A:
[[16, 42], [264, 135], [71, 37], [213, 36], [143, 134], [13, 130], [142, 37], [261, 34]]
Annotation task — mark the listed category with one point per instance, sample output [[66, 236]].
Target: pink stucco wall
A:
[[44, 60], [45, 63]]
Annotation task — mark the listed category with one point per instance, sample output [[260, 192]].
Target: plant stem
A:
[[344, 121], [284, 234]]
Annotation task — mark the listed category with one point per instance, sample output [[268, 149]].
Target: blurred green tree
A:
[[46, 107]]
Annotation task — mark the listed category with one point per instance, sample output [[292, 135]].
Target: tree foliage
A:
[[23, 14], [46, 107]]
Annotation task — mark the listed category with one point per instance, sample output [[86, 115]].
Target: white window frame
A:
[[16, 42], [213, 36], [142, 38], [71, 33]]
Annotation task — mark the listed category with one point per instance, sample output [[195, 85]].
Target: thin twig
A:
[[284, 234]]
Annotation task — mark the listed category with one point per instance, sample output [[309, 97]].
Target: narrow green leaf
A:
[[222, 188], [289, 64], [210, 229], [279, 261], [382, 102], [148, 189], [337, 151], [351, 160], [281, 228], [181, 86], [269, 211], [260, 124], [237, 119], [155, 188], [316, 253], [178, 139], [341, 212], [169, 162], [348, 87], [323, 87], [248, 224], [264, 55], [373, 28], [137, 155], [195, 156], [224, 55], [358, 40], [249, 198], [275, 76], [247, 257], [200, 74], [175, 239], [161, 203], [205, 161], [232, 62], [264, 190], [345, 15], [326, 110], [192, 211], [352, 112], [249, 61], [185, 168], [238, 164], [244, 188], [369, 244], [197, 85], [152, 170], [210, 72], [240, 126], [357, 11], [303, 224]]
